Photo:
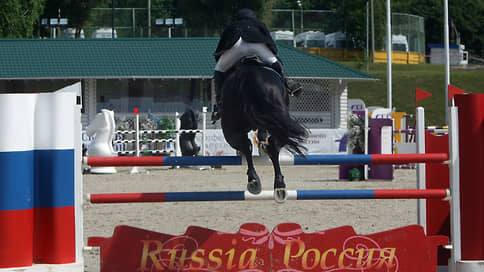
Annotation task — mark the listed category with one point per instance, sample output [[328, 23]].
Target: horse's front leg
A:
[[280, 193]]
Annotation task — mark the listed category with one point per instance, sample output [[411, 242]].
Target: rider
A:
[[246, 36]]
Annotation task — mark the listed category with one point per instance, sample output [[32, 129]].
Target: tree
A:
[[76, 11], [466, 15], [203, 15], [19, 18]]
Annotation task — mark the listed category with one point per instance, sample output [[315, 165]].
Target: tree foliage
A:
[[467, 17], [76, 11], [19, 18], [215, 14]]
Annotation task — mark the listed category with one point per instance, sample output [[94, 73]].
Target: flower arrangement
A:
[[356, 129]]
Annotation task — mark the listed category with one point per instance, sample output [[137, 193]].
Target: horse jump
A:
[[268, 195], [287, 160]]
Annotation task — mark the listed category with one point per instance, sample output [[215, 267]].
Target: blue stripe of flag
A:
[[16, 180], [36, 179], [54, 178]]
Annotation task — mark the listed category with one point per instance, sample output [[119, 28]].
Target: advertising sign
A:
[[255, 248]]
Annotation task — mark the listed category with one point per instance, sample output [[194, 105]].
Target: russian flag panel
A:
[[16, 179], [37, 217], [54, 224]]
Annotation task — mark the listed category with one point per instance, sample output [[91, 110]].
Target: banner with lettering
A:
[[255, 248]]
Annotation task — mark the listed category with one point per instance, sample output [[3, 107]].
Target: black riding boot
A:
[[293, 87], [219, 78]]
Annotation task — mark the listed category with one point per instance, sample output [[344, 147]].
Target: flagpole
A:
[[389, 57], [447, 60]]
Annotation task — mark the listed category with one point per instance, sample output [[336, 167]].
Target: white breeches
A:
[[243, 49]]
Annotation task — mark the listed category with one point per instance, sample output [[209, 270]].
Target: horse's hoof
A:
[[280, 195], [254, 187]]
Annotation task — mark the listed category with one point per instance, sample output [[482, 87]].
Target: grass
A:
[[407, 77]]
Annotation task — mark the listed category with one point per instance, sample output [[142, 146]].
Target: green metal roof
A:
[[141, 58]]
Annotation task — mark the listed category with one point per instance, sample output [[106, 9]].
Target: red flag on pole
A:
[[453, 91], [421, 94]]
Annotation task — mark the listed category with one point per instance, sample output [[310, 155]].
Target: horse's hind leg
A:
[[274, 148], [253, 186], [244, 145]]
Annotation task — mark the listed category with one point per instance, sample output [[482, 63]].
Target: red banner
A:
[[254, 248]]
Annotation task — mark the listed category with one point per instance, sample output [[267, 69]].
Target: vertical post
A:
[[177, 134], [372, 32], [365, 167], [149, 18], [204, 130], [389, 56], [78, 194], [293, 29], [112, 19], [367, 38], [136, 169], [133, 22], [299, 3], [447, 59], [420, 142], [137, 130], [455, 230]]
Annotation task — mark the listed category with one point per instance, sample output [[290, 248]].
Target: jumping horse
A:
[[254, 98]]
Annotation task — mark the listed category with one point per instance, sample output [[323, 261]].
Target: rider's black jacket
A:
[[247, 26]]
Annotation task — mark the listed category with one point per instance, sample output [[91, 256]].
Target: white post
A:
[[136, 169], [177, 134], [78, 195], [447, 60], [365, 167], [389, 56], [137, 133], [420, 142], [204, 129], [454, 181]]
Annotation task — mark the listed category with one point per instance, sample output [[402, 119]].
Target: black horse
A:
[[255, 98]]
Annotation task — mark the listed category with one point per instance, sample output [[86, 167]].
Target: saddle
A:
[[254, 60]]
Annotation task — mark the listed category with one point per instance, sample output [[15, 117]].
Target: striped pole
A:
[[267, 195], [284, 160]]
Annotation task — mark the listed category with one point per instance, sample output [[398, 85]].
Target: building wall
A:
[[321, 105]]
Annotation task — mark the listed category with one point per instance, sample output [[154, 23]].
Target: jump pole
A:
[[267, 195], [285, 160]]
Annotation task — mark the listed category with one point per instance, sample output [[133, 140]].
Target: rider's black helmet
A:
[[245, 13]]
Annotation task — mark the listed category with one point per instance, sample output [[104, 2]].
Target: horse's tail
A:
[[272, 113], [285, 129]]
